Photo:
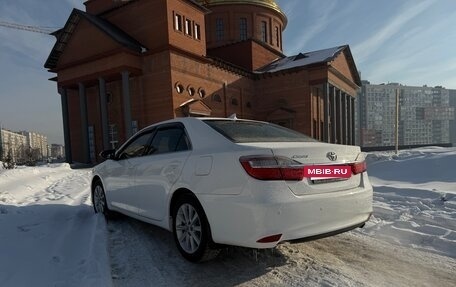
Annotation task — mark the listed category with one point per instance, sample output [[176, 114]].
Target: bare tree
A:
[[8, 160]]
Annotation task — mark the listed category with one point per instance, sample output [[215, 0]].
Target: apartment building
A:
[[453, 121], [425, 115], [38, 142], [57, 151], [13, 144]]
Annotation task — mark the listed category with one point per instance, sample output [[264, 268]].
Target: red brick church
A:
[[122, 65]]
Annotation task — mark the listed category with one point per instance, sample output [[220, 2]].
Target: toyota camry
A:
[[223, 181]]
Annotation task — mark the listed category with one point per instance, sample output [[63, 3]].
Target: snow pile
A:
[[49, 235], [415, 198]]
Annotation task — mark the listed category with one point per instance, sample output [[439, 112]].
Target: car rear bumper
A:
[[272, 209]]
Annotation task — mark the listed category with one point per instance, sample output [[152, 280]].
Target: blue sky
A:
[[408, 41], [412, 42]]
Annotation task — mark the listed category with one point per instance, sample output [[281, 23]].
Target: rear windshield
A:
[[247, 132]]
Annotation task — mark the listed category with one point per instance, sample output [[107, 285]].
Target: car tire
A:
[[99, 200], [191, 230]]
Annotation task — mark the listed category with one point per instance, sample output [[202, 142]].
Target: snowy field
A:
[[415, 199], [49, 236]]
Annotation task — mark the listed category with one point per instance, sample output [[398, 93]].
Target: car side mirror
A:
[[108, 154]]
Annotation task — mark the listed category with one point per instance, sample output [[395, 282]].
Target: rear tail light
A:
[[283, 168], [358, 167], [272, 168]]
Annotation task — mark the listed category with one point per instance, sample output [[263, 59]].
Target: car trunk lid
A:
[[316, 153]]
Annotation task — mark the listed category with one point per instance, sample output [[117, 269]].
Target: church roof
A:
[[303, 60], [63, 35]]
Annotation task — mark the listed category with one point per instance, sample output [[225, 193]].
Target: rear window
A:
[[247, 132]]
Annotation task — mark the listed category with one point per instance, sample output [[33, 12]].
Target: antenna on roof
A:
[[233, 117]]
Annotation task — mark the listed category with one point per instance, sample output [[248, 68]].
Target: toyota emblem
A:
[[332, 156]]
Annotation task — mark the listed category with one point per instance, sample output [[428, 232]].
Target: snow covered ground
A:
[[415, 198], [49, 236]]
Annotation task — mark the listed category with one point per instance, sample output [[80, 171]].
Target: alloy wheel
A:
[[188, 228], [99, 199]]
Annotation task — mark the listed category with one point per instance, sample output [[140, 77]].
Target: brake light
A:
[[358, 167], [272, 168]]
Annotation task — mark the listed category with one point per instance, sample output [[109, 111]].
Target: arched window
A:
[[216, 98], [191, 91], [179, 87], [201, 93]]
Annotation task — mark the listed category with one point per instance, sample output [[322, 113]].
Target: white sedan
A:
[[219, 181]]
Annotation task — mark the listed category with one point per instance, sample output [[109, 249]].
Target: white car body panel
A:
[[119, 182], [155, 175], [240, 209]]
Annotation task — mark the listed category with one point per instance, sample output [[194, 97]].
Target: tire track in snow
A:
[[144, 255], [71, 187], [52, 237], [414, 217]]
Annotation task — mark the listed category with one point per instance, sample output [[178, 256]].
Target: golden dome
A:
[[265, 3]]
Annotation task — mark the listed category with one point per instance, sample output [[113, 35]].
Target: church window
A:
[[219, 29], [243, 29], [188, 27], [216, 98], [277, 34], [264, 31], [197, 32], [178, 22], [191, 91], [201, 93]]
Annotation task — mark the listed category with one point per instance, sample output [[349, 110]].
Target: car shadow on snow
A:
[[52, 245], [145, 255]]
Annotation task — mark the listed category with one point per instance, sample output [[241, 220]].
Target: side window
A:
[[138, 147], [170, 139]]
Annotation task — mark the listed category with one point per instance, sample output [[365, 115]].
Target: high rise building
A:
[[12, 144], [425, 115], [57, 151], [38, 142], [453, 121]]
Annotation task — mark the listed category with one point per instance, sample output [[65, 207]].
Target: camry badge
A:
[[332, 156], [300, 156]]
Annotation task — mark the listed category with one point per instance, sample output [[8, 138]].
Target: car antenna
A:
[[233, 117]]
